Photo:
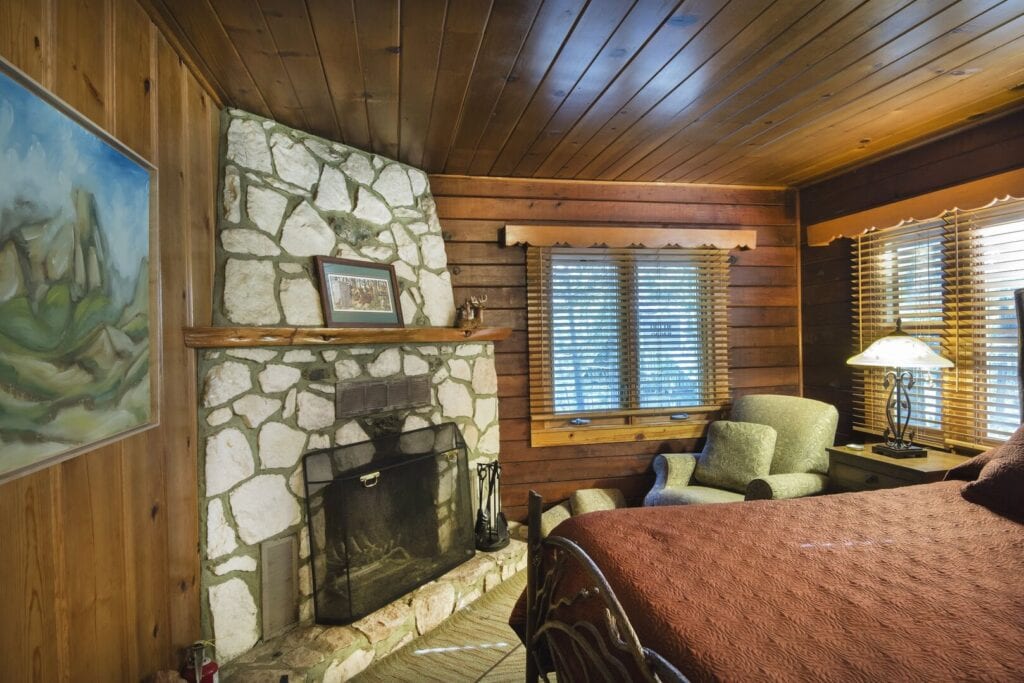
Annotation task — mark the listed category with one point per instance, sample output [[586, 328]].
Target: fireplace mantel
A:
[[234, 337]]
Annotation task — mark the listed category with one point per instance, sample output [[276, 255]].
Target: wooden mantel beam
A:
[[234, 337]]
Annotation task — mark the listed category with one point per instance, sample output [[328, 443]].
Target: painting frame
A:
[[149, 260], [377, 284]]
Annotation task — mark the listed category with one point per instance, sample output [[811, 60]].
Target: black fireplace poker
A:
[[491, 523]]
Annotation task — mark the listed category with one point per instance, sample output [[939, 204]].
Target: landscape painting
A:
[[74, 282]]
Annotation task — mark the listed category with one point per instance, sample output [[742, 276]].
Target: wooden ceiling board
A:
[[507, 30], [706, 117], [750, 92], [554, 22], [334, 28], [422, 37], [873, 102], [591, 32], [829, 89], [731, 67], [775, 107], [377, 25], [465, 23], [197, 30], [636, 29], [651, 61], [674, 79], [292, 34], [868, 80], [245, 24], [963, 95], [822, 57]]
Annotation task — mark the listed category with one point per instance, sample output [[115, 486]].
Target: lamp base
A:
[[911, 452]]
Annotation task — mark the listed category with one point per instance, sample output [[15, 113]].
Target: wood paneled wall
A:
[[763, 318], [974, 153], [99, 555]]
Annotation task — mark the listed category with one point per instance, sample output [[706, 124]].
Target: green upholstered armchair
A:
[[799, 465]]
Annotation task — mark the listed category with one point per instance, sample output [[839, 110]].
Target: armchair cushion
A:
[[781, 486], [735, 453], [693, 495]]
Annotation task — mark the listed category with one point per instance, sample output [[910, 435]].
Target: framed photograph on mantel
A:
[[78, 296], [359, 293]]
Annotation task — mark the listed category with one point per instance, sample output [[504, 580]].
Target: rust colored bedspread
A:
[[908, 584]]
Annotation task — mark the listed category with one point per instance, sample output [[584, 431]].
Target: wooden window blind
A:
[[625, 343], [951, 280]]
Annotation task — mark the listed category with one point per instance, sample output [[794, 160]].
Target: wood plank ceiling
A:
[[763, 92]]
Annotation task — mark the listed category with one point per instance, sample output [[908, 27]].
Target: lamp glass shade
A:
[[899, 350]]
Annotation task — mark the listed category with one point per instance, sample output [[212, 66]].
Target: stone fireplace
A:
[[285, 197], [385, 517]]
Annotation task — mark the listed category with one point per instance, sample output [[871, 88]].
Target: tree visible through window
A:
[[630, 336]]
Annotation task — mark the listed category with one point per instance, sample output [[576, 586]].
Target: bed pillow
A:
[[735, 454], [1000, 485], [969, 471]]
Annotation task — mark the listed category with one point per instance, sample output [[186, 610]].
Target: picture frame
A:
[[359, 293], [79, 279]]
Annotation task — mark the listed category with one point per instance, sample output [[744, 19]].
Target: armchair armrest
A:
[[674, 469], [671, 471], [781, 486]]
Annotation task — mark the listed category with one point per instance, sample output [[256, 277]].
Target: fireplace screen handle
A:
[[370, 480]]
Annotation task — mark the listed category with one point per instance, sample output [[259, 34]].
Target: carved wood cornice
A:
[[976, 194], [624, 238]]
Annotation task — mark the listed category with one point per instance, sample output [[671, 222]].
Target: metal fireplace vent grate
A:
[[386, 516]]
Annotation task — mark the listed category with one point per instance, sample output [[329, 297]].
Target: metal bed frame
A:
[[576, 649]]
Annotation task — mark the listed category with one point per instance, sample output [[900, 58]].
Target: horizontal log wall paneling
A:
[[763, 316], [827, 294], [98, 555]]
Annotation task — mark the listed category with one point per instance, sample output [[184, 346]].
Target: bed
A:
[[906, 584]]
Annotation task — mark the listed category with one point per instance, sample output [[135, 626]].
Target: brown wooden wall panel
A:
[[826, 287], [763, 319], [98, 555]]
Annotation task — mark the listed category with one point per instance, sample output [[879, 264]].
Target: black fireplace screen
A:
[[386, 516]]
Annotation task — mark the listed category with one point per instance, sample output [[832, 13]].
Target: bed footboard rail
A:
[[575, 624]]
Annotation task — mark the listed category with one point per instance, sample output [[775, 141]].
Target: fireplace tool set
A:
[[491, 523]]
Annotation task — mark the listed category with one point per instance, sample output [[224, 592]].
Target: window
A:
[[951, 280], [625, 344]]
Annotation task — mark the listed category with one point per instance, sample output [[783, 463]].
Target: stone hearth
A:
[[336, 653]]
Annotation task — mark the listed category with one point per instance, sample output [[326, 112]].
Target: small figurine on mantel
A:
[[470, 315]]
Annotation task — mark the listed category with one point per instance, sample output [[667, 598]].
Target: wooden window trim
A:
[[970, 417], [627, 424]]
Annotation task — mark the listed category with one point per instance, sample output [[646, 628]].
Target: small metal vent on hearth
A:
[[360, 398], [279, 564]]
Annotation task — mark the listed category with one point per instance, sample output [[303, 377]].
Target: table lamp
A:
[[901, 353]]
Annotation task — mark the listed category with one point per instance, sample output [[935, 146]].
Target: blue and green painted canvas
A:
[[74, 284]]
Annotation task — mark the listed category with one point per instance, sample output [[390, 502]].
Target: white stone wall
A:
[[287, 196], [262, 409]]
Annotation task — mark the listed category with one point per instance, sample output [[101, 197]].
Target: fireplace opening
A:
[[386, 516]]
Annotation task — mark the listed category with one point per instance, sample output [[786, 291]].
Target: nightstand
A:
[[853, 470]]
